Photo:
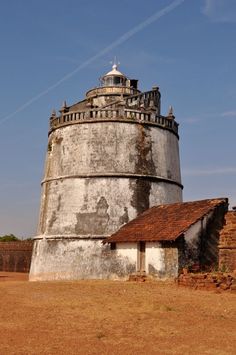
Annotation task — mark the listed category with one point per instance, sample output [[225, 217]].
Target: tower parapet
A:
[[113, 114], [110, 157], [118, 98]]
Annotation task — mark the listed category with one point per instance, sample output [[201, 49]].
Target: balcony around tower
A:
[[116, 99], [108, 114]]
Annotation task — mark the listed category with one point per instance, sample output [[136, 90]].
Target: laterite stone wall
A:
[[15, 256], [227, 245]]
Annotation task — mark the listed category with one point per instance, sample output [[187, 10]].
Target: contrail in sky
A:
[[105, 50]]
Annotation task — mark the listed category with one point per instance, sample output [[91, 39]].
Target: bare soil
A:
[[108, 317]]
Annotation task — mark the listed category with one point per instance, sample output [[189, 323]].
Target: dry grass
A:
[[104, 317]]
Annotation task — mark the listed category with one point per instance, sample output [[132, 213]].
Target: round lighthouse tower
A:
[[109, 158]]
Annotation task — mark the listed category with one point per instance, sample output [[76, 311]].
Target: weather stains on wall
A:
[[125, 217], [54, 213], [109, 158], [144, 145], [78, 259], [95, 222], [141, 194]]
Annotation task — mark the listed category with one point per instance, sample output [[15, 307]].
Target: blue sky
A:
[[188, 50]]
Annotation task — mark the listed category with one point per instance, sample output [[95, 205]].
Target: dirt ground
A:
[[106, 317]]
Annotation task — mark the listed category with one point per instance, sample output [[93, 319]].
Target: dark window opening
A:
[[113, 246], [134, 83], [117, 80]]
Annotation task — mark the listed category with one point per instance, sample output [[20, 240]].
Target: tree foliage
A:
[[9, 238]]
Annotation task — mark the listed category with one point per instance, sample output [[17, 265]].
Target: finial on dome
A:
[[115, 63], [53, 113], [170, 112], [64, 107]]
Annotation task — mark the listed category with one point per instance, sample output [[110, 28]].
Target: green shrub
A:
[[9, 238]]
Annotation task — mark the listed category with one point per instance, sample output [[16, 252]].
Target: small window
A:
[[108, 81], [113, 246], [117, 80]]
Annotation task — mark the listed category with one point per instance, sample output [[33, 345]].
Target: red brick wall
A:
[[15, 256], [227, 245]]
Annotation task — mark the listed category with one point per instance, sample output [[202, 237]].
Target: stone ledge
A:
[[115, 175], [70, 237]]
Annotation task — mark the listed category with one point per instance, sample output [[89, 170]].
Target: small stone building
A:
[[166, 238]]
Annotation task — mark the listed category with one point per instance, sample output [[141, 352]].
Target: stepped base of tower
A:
[[74, 259]]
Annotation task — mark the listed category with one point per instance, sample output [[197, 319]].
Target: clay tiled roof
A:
[[165, 222]]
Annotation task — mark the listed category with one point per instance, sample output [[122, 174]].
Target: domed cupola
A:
[[114, 78]]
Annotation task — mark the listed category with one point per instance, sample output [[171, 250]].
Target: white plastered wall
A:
[[192, 235], [128, 250], [154, 257]]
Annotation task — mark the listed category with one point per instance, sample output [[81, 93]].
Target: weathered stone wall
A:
[[227, 245], [98, 206], [15, 256], [113, 147], [171, 259], [77, 259], [209, 246], [161, 259], [208, 281], [200, 244], [98, 176], [154, 258], [128, 250], [106, 172]]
